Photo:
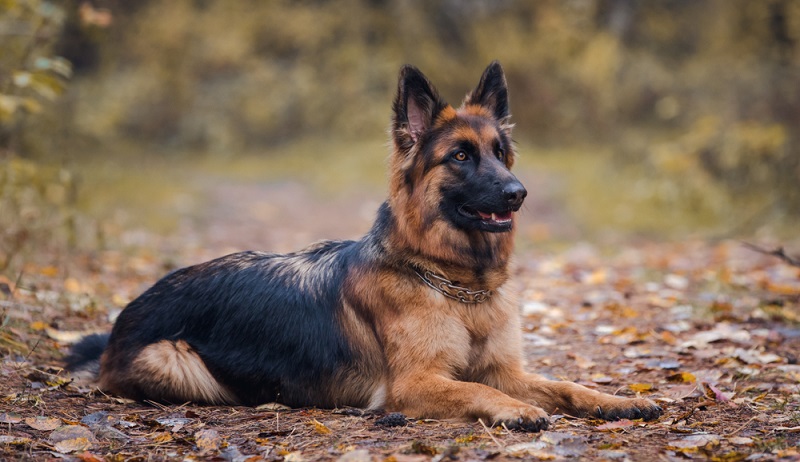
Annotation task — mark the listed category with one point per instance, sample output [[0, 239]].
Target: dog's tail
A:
[[83, 360]]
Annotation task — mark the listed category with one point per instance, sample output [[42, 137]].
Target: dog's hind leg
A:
[[170, 371]]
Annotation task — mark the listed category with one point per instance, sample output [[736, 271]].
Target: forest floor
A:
[[709, 330]]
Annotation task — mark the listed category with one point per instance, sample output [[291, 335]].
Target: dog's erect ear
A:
[[491, 92], [415, 107]]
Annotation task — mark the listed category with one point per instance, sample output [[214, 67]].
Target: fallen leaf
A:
[[272, 407], [72, 445], [161, 437], [676, 281], [634, 352], [15, 440], [608, 454], [722, 331], [601, 378], [39, 325], [536, 449], [89, 457], [99, 418], [72, 285], [694, 442], [583, 362], [176, 423], [320, 427], [622, 423], [640, 387], [741, 441], [296, 456], [44, 424], [110, 433], [684, 377], [10, 418], [49, 271], [358, 455], [207, 440], [755, 357], [668, 337], [663, 364], [419, 447], [78, 437], [464, 439], [565, 444], [119, 300], [533, 307], [718, 394]]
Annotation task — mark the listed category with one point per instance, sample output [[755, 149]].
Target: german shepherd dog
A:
[[415, 317]]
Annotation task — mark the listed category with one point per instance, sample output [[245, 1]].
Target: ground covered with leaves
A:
[[710, 330]]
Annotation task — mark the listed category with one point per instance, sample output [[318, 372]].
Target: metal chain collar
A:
[[446, 287]]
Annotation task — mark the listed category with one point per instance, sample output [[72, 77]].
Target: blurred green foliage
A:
[[35, 199], [29, 73], [215, 74], [700, 98], [695, 86]]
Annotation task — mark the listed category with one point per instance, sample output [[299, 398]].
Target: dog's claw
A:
[[524, 424], [629, 409]]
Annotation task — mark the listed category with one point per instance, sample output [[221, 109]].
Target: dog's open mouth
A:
[[491, 219], [495, 218]]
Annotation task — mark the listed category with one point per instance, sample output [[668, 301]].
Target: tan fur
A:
[[365, 382], [175, 366], [421, 231], [445, 358]]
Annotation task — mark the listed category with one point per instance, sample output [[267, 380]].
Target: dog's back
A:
[[246, 328]]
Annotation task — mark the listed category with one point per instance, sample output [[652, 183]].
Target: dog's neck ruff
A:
[[446, 287]]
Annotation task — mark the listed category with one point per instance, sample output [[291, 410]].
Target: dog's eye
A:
[[500, 153], [460, 156]]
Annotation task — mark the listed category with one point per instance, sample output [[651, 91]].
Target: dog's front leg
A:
[[437, 396], [577, 400]]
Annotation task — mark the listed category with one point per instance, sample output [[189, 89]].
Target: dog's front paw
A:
[[526, 418], [627, 408]]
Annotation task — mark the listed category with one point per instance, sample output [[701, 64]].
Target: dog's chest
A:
[[483, 322]]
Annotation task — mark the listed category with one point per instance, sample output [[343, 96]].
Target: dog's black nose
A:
[[514, 193]]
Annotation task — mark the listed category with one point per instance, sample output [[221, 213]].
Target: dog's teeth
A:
[[494, 217]]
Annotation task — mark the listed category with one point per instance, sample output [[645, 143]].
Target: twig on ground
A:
[[779, 253], [787, 429], [488, 432], [687, 415], [742, 427]]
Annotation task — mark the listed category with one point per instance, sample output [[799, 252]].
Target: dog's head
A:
[[451, 168]]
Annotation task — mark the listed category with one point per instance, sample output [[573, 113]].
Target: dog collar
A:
[[446, 287]]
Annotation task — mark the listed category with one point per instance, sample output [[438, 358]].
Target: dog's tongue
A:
[[505, 216]]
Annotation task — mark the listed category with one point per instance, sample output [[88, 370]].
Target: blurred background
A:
[[262, 124]]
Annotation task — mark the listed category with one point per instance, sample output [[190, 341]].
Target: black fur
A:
[[414, 89], [265, 330], [492, 92], [85, 355]]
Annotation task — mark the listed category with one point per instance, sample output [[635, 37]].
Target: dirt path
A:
[[708, 330]]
